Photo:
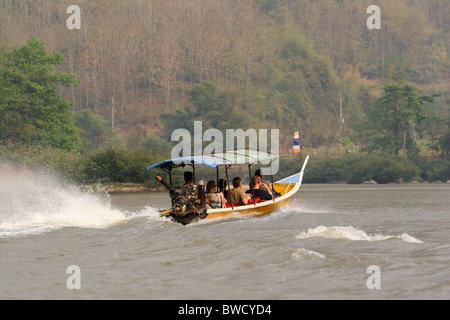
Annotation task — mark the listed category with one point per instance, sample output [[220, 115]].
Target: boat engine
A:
[[187, 199]]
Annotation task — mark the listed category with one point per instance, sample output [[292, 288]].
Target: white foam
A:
[[149, 212], [408, 238], [32, 203], [297, 206], [351, 233], [302, 253]]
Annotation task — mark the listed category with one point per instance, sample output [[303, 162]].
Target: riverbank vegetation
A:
[[127, 168]]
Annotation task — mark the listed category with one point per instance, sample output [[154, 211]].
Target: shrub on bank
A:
[[435, 170], [122, 166], [357, 168], [118, 165], [103, 166], [383, 170]]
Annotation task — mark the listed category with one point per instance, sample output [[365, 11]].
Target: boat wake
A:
[[298, 206], [149, 212], [34, 203], [351, 233]]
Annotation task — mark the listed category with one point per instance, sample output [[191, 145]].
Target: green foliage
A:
[[444, 143], [66, 165], [393, 118], [213, 106], [298, 93], [158, 145], [31, 111], [290, 165], [109, 165], [121, 166], [348, 145], [435, 170], [383, 170], [103, 166], [9, 156], [295, 46], [96, 132], [358, 168], [118, 165]]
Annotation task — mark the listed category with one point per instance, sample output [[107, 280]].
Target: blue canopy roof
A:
[[240, 156], [291, 179], [178, 162]]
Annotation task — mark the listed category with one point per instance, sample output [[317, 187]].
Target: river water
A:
[[330, 242]]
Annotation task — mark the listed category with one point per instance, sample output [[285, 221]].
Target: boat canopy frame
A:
[[231, 157], [226, 159]]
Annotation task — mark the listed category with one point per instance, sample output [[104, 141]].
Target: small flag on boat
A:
[[296, 145]]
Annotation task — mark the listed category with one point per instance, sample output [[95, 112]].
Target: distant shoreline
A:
[[126, 188], [114, 188]]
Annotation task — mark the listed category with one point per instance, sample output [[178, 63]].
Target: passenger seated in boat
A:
[[265, 184], [237, 195], [214, 199], [261, 191], [223, 187], [188, 178]]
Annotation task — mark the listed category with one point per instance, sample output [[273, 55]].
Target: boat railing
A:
[[287, 188]]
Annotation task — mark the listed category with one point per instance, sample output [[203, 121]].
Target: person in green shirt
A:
[[237, 195]]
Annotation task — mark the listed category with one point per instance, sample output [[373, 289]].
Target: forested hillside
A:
[[137, 70], [283, 63]]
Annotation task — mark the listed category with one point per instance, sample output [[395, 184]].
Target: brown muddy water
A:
[[330, 242]]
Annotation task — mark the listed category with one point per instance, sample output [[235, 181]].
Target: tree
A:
[[391, 121], [214, 107], [96, 132], [157, 144], [444, 143], [31, 111]]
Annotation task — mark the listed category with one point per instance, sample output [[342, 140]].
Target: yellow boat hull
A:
[[259, 209], [248, 210]]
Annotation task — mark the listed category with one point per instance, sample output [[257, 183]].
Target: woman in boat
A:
[[215, 199], [264, 183], [259, 190]]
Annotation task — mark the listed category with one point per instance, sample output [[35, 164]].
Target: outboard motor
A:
[[188, 202], [184, 200]]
